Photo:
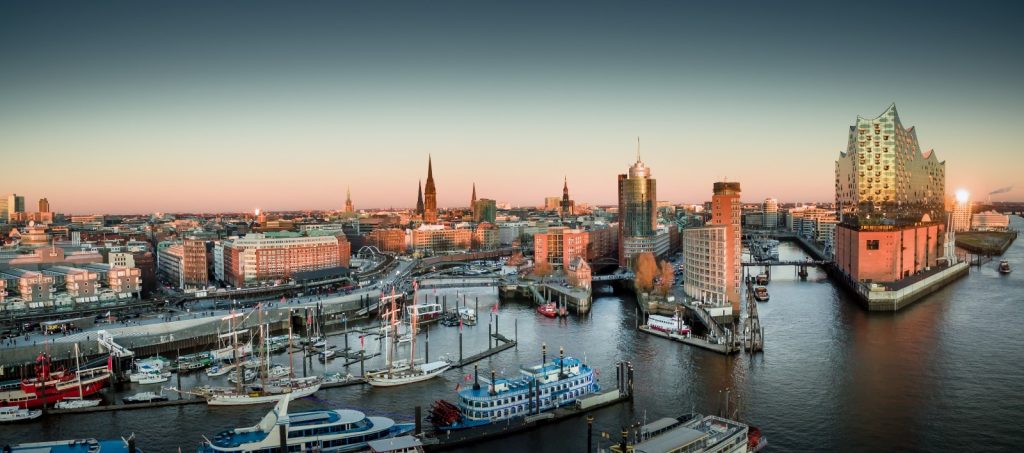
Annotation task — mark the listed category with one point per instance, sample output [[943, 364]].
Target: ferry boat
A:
[[540, 388], [424, 312], [10, 414], [327, 431], [673, 325], [1004, 267], [77, 446], [49, 387], [549, 309], [693, 433], [761, 294]]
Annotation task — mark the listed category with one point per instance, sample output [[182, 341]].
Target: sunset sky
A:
[[134, 107]]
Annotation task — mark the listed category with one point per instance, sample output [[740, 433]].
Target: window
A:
[[872, 244]]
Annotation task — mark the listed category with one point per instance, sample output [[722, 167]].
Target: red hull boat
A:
[[48, 387]]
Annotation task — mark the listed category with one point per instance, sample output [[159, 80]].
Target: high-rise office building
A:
[[770, 213], [637, 211], [430, 195], [44, 205], [960, 218], [726, 211], [3, 209], [15, 204]]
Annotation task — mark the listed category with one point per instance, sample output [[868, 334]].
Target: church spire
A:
[[472, 202], [419, 198]]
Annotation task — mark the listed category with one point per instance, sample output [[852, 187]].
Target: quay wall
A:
[[895, 300]]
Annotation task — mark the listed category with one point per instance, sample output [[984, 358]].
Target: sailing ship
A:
[[327, 431], [538, 389], [50, 386], [263, 393], [77, 402], [408, 372]]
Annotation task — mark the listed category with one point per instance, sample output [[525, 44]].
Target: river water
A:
[[943, 374]]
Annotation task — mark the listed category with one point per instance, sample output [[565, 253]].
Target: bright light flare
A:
[[962, 196]]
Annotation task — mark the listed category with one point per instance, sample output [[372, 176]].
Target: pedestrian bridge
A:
[[613, 277], [787, 263]]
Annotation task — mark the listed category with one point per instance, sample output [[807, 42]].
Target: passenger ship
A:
[[326, 431], [540, 388]]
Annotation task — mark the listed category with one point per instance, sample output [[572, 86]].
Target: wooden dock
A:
[[692, 340], [126, 407], [504, 343]]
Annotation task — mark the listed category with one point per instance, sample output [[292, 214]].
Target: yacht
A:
[[144, 397], [327, 431], [10, 414]]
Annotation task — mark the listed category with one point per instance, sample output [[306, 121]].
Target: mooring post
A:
[[590, 433]]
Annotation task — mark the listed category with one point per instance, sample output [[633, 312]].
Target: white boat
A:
[[143, 372], [326, 355], [10, 414], [393, 375], [673, 325], [144, 397], [220, 369], [328, 431], [156, 378], [410, 375], [260, 398], [248, 375], [278, 371], [74, 402]]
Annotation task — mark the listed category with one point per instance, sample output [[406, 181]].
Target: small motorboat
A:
[[74, 402], [144, 397], [326, 355], [761, 294], [1004, 267], [761, 279], [220, 370], [10, 414], [549, 309], [156, 378]]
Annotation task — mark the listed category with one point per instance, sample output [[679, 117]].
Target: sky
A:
[[136, 107]]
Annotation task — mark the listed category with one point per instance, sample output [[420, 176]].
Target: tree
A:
[[667, 275], [645, 267], [516, 259], [543, 269]]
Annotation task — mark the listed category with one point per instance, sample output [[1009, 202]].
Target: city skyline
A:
[[245, 111]]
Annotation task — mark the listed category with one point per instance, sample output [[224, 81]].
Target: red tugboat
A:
[[549, 309], [50, 386]]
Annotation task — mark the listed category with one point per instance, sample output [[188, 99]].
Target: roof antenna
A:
[[638, 148]]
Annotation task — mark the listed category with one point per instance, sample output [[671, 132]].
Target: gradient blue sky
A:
[[215, 106]]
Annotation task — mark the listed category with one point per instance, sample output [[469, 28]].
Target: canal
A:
[[943, 374]]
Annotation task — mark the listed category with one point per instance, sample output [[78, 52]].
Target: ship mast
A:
[[78, 373], [239, 374], [413, 319], [394, 332], [264, 367], [291, 365]]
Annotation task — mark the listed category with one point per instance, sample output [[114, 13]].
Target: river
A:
[[943, 374]]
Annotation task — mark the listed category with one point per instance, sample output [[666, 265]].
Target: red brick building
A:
[[887, 253], [387, 239]]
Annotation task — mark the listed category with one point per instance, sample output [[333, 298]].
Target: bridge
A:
[[613, 277], [787, 263]]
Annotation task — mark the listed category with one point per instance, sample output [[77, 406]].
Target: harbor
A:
[[800, 321]]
